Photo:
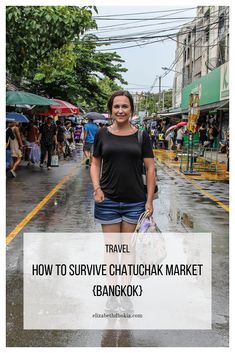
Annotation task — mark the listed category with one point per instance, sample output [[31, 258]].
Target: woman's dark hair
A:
[[120, 93]]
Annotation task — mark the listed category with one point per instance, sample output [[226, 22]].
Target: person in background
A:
[[16, 146], [212, 134], [60, 137], [161, 139], [9, 135], [153, 136], [170, 140], [69, 138], [78, 132], [47, 139], [179, 138], [202, 134], [69, 132], [223, 141], [32, 135], [90, 130]]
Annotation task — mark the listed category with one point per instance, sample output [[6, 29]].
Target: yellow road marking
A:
[[23, 223], [210, 196]]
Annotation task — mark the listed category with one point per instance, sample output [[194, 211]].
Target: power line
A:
[[156, 18], [151, 18], [147, 35], [144, 87], [143, 13], [139, 84], [141, 20], [132, 46], [178, 58], [122, 25], [123, 39], [134, 27]]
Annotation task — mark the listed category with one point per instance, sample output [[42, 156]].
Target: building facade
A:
[[202, 47]]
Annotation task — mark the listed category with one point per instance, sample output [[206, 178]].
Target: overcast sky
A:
[[144, 62]]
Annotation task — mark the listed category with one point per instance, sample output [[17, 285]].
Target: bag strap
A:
[[142, 217], [140, 137]]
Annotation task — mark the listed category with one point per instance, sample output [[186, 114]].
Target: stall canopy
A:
[[60, 108], [14, 98]]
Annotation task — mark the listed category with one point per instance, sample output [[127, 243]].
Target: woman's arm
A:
[[95, 177], [17, 132], [151, 182]]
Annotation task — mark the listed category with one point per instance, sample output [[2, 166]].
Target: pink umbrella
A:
[[174, 127]]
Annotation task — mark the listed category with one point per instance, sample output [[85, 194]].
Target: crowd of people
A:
[[208, 134], [36, 142]]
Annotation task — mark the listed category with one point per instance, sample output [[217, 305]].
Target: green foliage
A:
[[33, 32], [49, 50], [150, 101]]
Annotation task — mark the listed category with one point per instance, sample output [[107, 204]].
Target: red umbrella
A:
[[63, 108], [174, 127]]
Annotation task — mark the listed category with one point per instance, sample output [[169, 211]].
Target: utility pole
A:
[[159, 90], [137, 102]]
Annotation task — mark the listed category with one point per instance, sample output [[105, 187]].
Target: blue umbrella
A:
[[17, 117]]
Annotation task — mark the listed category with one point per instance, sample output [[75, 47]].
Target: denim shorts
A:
[[110, 212]]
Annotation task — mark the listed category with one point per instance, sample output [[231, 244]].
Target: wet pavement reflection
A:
[[180, 207]]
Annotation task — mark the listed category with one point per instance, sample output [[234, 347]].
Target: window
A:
[[207, 15], [188, 53], [221, 26], [197, 66], [206, 34], [198, 49], [221, 52]]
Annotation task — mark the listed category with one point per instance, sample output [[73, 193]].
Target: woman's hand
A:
[[149, 207], [98, 195]]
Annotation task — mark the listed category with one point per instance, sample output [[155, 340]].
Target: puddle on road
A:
[[185, 219]]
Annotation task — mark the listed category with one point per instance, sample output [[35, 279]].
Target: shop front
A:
[[213, 90]]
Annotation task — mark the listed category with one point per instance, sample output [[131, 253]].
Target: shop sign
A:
[[208, 88], [224, 81]]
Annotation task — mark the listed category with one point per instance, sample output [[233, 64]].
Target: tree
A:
[[81, 75], [33, 32], [48, 50], [150, 101]]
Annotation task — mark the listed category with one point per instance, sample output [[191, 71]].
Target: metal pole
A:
[[137, 103], [159, 91]]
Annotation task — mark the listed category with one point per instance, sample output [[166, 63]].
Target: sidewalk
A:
[[168, 158]]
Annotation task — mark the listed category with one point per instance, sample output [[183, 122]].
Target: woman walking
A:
[[16, 146]]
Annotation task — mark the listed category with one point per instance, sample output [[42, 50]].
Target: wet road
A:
[[180, 207]]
